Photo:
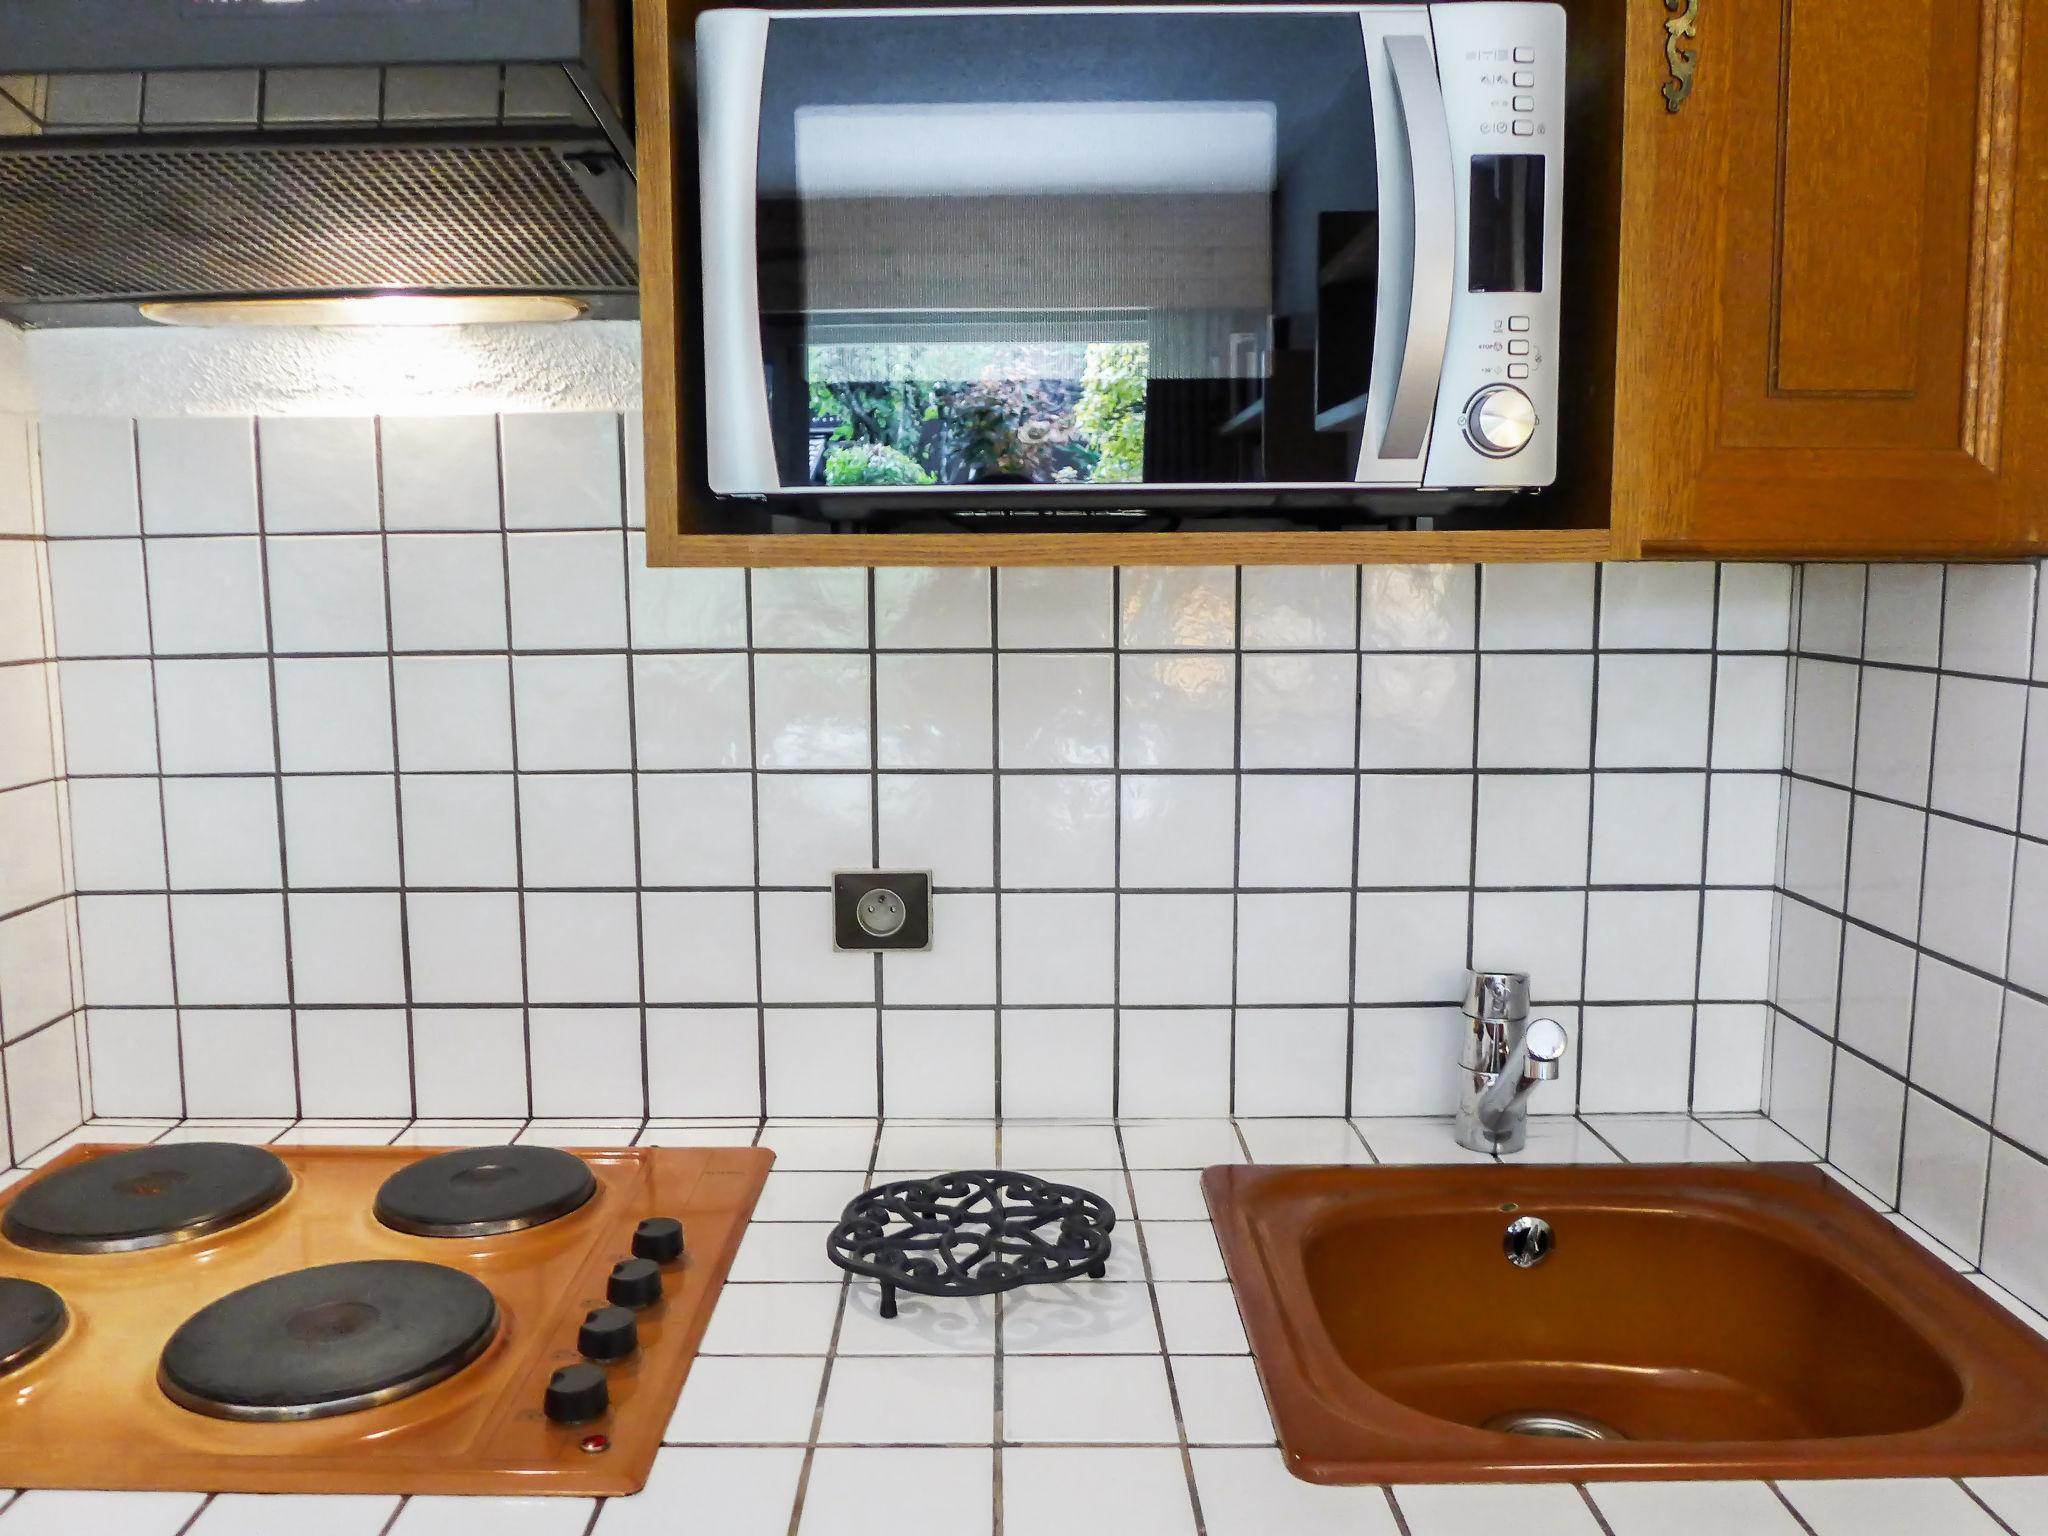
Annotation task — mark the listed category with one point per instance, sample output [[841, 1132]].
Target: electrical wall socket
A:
[[882, 909]]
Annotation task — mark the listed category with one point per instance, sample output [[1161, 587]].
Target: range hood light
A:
[[371, 309]]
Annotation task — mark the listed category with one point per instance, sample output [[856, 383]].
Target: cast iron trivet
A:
[[971, 1234]]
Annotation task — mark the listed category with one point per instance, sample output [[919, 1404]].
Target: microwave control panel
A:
[[1502, 68]]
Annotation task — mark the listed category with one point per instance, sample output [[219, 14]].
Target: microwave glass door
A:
[[1077, 248]]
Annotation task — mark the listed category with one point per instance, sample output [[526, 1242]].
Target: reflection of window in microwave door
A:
[[1042, 377]]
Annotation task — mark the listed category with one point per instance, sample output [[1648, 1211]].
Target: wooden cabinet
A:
[[1833, 322]]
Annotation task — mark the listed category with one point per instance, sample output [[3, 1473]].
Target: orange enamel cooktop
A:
[[89, 1411]]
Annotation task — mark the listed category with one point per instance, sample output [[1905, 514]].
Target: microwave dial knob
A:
[[1500, 420]]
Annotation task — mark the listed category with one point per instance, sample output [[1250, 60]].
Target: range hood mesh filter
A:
[[140, 222]]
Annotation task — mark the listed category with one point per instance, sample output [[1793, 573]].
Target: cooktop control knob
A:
[[1500, 420], [659, 1238], [608, 1333], [577, 1394], [634, 1283]]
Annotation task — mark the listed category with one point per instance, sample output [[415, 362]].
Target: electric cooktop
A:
[[358, 1319]]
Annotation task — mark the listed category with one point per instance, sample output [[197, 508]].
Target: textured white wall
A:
[[431, 370]]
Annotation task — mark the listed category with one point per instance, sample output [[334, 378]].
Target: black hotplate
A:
[[484, 1191], [334, 1339], [147, 1197]]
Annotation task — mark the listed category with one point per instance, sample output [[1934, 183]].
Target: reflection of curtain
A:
[[1208, 343], [1200, 360], [1070, 328], [1187, 251]]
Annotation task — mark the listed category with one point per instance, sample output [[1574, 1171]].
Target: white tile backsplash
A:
[[1942, 1012], [206, 597], [1536, 711], [1294, 830], [319, 474], [44, 1084], [1416, 711], [1537, 607], [555, 829], [201, 473]]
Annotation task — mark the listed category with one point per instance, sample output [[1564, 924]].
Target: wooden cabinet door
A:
[[1833, 329]]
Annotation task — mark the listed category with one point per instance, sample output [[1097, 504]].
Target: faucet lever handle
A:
[[1545, 1042]]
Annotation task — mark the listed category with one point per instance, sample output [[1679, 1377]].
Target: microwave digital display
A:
[[1507, 224]]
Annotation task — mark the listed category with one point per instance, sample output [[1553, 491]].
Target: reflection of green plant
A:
[[1016, 428], [871, 464], [1111, 411], [963, 412]]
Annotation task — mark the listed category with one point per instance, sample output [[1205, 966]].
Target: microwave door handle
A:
[[732, 52], [1436, 246]]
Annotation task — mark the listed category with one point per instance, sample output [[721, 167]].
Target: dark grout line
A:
[[1991, 1514], [1790, 1508], [1593, 1509], [512, 744], [1180, 1427], [633, 796], [803, 1480], [284, 873], [1358, 831], [412, 1075]]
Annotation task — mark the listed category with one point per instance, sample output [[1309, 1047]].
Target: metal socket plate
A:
[[882, 909]]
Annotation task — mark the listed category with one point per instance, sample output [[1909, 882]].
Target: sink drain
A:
[[1551, 1426]]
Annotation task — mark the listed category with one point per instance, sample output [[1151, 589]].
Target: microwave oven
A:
[[1022, 258]]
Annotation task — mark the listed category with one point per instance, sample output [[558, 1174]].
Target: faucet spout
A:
[[1506, 1055]]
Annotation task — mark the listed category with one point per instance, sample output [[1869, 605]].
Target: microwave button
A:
[[1518, 349], [1525, 103], [1525, 55], [1518, 322], [1525, 79], [1518, 370], [1524, 129]]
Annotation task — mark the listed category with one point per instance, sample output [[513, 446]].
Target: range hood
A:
[[159, 151]]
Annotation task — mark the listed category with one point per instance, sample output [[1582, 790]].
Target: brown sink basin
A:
[[1703, 1321]]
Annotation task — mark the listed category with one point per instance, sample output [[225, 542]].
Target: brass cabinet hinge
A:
[[1683, 24]]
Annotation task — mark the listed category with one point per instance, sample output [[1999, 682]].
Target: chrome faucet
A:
[[1506, 1055]]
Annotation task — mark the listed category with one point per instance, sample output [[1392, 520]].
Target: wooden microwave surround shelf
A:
[[1806, 312], [88, 1413]]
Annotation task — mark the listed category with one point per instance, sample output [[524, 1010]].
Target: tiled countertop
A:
[[1127, 1406]]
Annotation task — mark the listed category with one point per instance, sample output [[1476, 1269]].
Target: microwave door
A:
[[1099, 260], [1418, 238]]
